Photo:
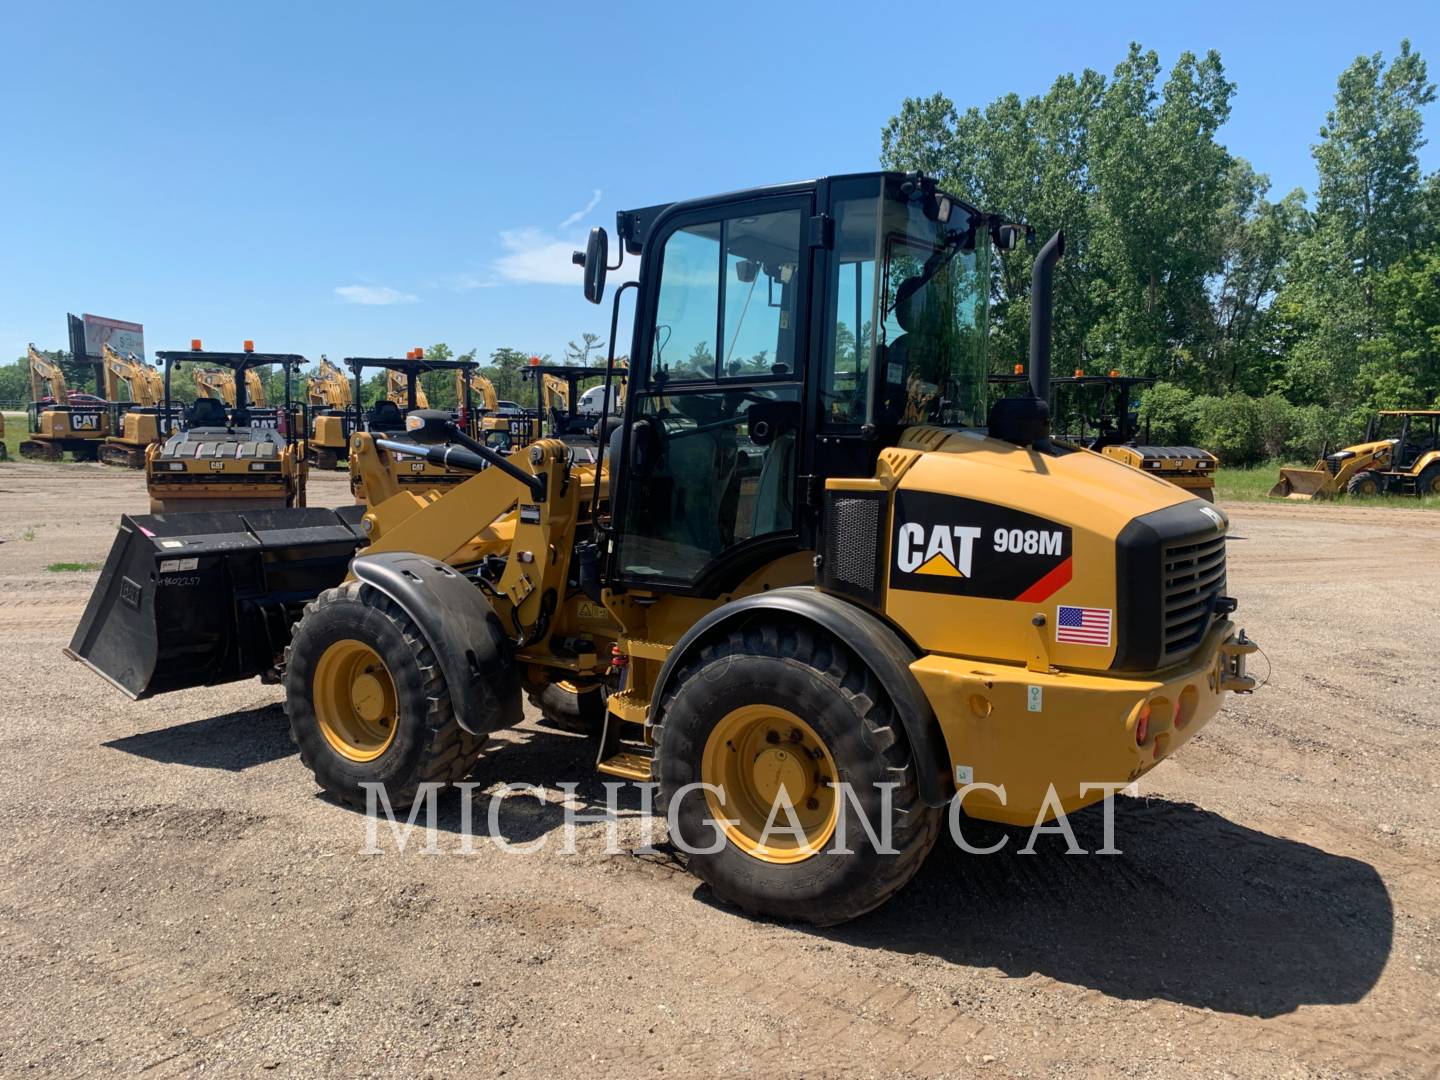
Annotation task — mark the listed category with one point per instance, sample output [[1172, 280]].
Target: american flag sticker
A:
[[1083, 625]]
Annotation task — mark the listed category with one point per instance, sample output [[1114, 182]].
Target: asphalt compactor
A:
[[817, 583], [227, 456]]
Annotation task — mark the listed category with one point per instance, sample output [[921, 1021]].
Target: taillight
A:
[[1142, 726]]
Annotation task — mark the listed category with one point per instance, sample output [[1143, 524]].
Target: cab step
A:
[[628, 765]]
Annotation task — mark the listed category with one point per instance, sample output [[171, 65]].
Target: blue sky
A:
[[357, 179]]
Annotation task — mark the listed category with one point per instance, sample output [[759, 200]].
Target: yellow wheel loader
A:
[[404, 395], [332, 407], [824, 591], [1400, 456], [137, 396], [61, 419], [220, 453]]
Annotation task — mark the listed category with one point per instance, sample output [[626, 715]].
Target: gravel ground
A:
[[176, 896]]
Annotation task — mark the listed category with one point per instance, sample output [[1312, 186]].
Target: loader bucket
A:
[[199, 599], [1303, 484]]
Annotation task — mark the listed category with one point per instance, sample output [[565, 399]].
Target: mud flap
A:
[[462, 630], [199, 599]]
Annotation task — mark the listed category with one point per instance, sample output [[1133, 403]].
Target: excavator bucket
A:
[[199, 599], [1304, 484]]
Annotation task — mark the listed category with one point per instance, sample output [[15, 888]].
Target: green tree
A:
[[579, 355], [15, 383]]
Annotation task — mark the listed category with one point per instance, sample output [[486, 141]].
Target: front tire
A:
[[1428, 482], [772, 708], [367, 701], [1364, 484]]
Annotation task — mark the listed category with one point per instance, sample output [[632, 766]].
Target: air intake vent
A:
[[853, 545], [1194, 577]]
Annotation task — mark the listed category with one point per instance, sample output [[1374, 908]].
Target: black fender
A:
[[873, 642], [461, 629]]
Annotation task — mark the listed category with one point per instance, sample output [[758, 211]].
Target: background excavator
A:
[[334, 415], [61, 419], [815, 587], [137, 395]]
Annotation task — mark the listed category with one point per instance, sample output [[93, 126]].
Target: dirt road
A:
[[175, 895]]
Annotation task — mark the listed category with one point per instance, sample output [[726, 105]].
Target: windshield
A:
[[935, 291]]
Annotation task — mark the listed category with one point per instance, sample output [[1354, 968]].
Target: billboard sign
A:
[[123, 337]]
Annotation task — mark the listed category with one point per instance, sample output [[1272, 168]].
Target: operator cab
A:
[[386, 416], [783, 336]]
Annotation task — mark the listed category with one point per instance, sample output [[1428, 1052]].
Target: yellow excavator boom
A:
[[397, 390], [46, 378], [212, 382]]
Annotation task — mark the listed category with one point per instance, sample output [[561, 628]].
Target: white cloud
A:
[[535, 257], [374, 295], [579, 215]]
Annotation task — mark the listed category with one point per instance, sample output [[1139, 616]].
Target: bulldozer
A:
[[1101, 413], [60, 419], [404, 394], [1400, 456], [218, 452], [137, 402], [334, 416], [818, 587]]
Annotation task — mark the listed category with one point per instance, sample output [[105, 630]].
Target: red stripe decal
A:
[[1047, 585]]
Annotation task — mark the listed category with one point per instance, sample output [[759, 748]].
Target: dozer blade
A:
[[1305, 484], [200, 599]]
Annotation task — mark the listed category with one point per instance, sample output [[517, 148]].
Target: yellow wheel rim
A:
[[1367, 487], [355, 701], [758, 755]]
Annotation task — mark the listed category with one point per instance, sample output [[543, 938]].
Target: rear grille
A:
[[1333, 464], [1194, 575], [853, 544]]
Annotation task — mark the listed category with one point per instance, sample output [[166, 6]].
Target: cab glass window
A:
[[728, 298]]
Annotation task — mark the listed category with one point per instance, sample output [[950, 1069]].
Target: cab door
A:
[[709, 472]]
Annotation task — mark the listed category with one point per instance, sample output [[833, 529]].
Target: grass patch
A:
[[71, 567], [1252, 483], [15, 433]]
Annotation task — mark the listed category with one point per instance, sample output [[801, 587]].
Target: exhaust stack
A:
[[1042, 310], [1025, 421]]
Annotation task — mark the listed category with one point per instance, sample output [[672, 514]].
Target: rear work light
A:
[[1142, 726]]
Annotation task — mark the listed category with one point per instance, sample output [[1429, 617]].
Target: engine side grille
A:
[[1194, 575], [853, 548]]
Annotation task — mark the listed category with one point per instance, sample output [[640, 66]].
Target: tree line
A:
[[1273, 325]]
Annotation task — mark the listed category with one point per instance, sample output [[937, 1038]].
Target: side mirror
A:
[[1006, 237], [593, 259]]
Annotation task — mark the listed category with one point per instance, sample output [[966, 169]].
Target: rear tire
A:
[[394, 725], [1428, 482], [822, 719], [1364, 484]]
